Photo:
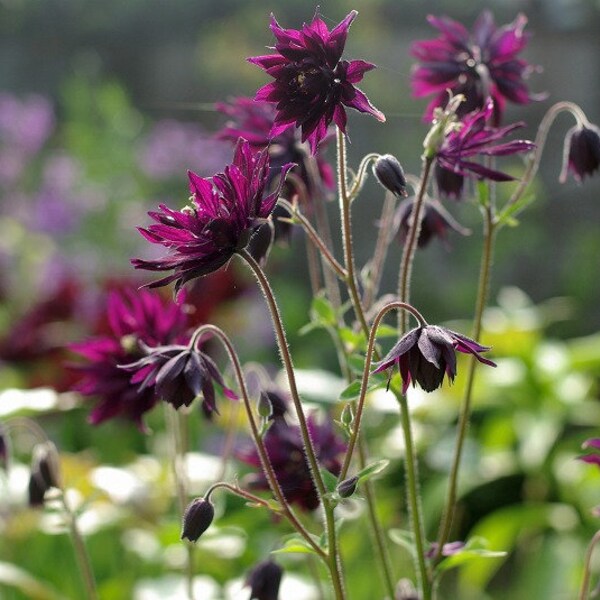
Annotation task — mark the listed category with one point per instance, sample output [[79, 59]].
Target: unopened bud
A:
[[346, 488], [264, 406], [264, 581], [390, 174], [197, 519], [347, 416], [4, 449], [45, 472]]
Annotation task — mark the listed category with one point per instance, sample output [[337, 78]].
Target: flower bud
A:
[[4, 449], [390, 174], [581, 154], [347, 416], [45, 472], [264, 406], [264, 581], [197, 519], [346, 488]]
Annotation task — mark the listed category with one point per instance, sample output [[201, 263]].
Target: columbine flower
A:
[[264, 580], [581, 155], [178, 375], [45, 472], [478, 64], [427, 353], [436, 221], [226, 211], [312, 84], [134, 317], [594, 458], [197, 519], [473, 137], [448, 184], [284, 447]]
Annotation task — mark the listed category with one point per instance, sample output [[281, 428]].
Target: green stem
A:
[[346, 218], [585, 584], [260, 446], [81, 554], [465, 412], [410, 246]]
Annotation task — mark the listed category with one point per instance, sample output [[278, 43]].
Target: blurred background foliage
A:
[[103, 106]]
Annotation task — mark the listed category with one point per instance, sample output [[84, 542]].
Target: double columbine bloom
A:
[[312, 84], [426, 354], [226, 211], [481, 64]]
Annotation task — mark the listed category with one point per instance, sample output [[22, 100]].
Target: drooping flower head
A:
[[226, 211], [283, 442], [479, 64], [426, 354], [135, 317], [581, 155], [473, 136], [312, 84], [264, 580], [436, 221], [178, 375]]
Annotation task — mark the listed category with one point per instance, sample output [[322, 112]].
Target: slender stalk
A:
[[333, 552], [346, 218], [237, 491], [465, 411], [410, 246], [260, 446], [361, 174], [585, 584], [81, 554], [178, 452]]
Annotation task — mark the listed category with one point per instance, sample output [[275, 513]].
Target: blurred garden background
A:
[[103, 108]]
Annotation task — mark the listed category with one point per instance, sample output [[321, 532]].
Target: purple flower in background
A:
[[448, 183], [473, 137], [426, 354], [173, 146], [312, 84], [436, 221], [226, 211], [479, 64], [283, 442], [581, 155], [135, 317], [593, 458], [178, 375], [264, 580]]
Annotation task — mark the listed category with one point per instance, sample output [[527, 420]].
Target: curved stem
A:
[[315, 239], [585, 584], [367, 372], [361, 174], [260, 446], [465, 412], [540, 142], [83, 559], [410, 245], [238, 491]]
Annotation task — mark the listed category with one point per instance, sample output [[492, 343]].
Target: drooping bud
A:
[[346, 488], [581, 154], [264, 581], [390, 174], [45, 472], [197, 519], [264, 406]]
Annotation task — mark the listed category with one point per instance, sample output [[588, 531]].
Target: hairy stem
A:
[[585, 584]]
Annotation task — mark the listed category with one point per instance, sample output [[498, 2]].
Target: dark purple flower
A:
[[264, 580], [473, 137], [594, 457], [197, 519], [435, 221], [428, 353], [178, 375], [4, 449], [581, 155], [312, 84], [284, 447], [448, 183], [254, 121], [226, 211], [45, 472], [135, 317], [479, 64]]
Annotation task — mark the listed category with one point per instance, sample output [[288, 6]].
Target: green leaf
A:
[[475, 549], [329, 479], [295, 545], [372, 470], [322, 311], [350, 392], [508, 214], [483, 193]]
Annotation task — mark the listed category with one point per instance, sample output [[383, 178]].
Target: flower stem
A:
[[178, 452], [260, 446], [585, 584], [81, 554], [410, 246], [465, 412]]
